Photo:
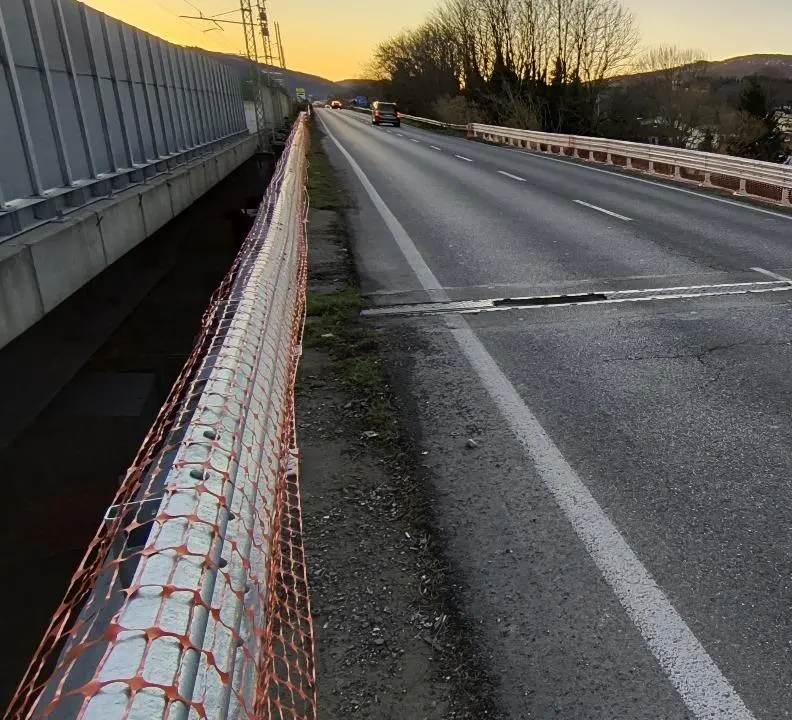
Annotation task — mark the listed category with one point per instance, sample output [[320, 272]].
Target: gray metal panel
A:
[[112, 91], [19, 175], [85, 98], [72, 16], [51, 100], [20, 35], [143, 149], [177, 101], [223, 99], [215, 93], [187, 97], [162, 92], [76, 96], [197, 98], [97, 112], [143, 88], [209, 95], [221, 79]]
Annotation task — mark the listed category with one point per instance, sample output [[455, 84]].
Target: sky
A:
[[335, 38]]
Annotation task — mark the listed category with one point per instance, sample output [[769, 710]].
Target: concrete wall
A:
[[42, 267]]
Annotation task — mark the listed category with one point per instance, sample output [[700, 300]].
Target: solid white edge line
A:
[[772, 274], [414, 260], [699, 681], [462, 157], [626, 176], [603, 210], [509, 175]]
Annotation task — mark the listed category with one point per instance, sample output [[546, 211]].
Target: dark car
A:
[[385, 112]]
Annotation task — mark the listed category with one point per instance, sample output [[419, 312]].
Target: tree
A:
[[518, 61], [758, 134], [674, 90], [421, 65]]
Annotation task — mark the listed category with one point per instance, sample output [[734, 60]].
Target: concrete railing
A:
[[762, 180], [192, 599]]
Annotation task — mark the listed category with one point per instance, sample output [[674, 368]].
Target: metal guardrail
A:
[[192, 600], [762, 180], [434, 123], [420, 120]]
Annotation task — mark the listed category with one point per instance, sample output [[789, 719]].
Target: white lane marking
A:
[[400, 134], [410, 252], [772, 274], [414, 140], [626, 176], [462, 157], [434, 147], [602, 210], [699, 681], [513, 177]]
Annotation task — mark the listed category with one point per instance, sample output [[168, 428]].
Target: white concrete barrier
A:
[[42, 267]]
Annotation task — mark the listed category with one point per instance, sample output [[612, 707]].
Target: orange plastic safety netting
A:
[[192, 600]]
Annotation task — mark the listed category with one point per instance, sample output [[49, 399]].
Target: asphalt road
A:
[[622, 533]]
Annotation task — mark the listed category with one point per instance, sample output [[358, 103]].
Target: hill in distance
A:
[[779, 66], [314, 85], [320, 88]]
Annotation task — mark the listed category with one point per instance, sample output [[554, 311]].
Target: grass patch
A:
[[323, 186], [333, 320]]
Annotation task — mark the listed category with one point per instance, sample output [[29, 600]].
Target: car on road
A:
[[385, 112], [336, 105]]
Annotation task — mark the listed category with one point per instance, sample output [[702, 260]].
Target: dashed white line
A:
[[400, 134], [603, 210], [686, 663], [434, 147], [684, 191], [783, 278], [513, 177], [414, 140], [462, 157]]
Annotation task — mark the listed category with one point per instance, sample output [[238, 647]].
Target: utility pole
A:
[[267, 55], [250, 28], [254, 21], [281, 55]]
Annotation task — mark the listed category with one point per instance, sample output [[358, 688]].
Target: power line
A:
[[222, 40]]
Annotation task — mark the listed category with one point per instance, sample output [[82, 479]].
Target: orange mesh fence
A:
[[192, 599]]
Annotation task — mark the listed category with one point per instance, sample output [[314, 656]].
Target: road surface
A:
[[622, 533]]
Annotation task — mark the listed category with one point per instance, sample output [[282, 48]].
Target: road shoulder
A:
[[389, 644]]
